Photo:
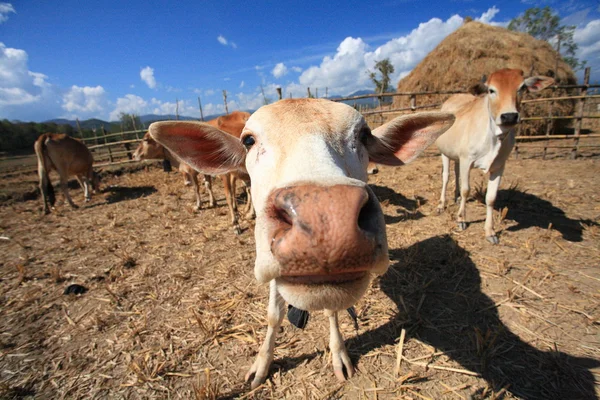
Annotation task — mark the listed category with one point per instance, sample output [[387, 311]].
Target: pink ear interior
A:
[[204, 147], [537, 83], [400, 141]]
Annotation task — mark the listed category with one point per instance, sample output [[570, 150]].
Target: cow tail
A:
[[44, 169]]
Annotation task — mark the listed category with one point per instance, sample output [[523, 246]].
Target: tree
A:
[[385, 68], [544, 24]]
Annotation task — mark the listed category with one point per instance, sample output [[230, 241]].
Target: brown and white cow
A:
[[232, 124], [320, 233], [483, 137], [148, 149], [68, 156]]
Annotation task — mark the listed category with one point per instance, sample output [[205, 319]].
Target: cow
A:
[[320, 232], [233, 124], [148, 149], [483, 137], [68, 156]]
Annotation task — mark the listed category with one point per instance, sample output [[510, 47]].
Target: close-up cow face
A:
[[320, 232]]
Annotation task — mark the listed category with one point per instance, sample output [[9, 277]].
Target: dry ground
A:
[[173, 311]]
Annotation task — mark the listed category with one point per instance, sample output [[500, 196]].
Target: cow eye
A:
[[248, 141], [492, 91], [364, 135]]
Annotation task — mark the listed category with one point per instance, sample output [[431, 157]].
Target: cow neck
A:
[[167, 155]]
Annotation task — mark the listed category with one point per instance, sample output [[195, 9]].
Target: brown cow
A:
[[320, 232], [232, 124], [483, 136], [148, 149], [68, 157]]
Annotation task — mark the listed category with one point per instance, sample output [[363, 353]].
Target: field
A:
[[173, 310]]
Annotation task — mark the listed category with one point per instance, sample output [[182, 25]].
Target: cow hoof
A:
[[74, 206], [88, 200], [237, 230], [461, 226], [342, 362], [440, 209], [492, 239]]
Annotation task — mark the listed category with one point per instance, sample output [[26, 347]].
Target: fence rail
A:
[[109, 151]]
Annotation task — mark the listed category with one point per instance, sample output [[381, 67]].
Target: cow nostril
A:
[[366, 217]]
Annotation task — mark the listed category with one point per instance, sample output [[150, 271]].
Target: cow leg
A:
[[187, 179], [44, 188], [65, 189], [456, 181], [231, 204], [85, 185], [490, 199], [208, 186], [445, 176], [339, 354], [249, 211], [194, 179], [465, 170], [275, 313]]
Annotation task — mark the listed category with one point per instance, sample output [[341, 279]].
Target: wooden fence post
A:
[[200, 107], [110, 157], [279, 94], [225, 101], [176, 109], [580, 109], [79, 128], [413, 102], [308, 92], [548, 129]]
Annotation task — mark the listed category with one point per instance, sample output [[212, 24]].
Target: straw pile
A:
[[476, 49]]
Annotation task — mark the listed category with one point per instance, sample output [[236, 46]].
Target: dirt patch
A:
[[172, 309]]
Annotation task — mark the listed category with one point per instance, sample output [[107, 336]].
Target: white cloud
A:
[[21, 88], [346, 70], [130, 104], [242, 84], [84, 102], [5, 9], [147, 75], [279, 70], [221, 39], [587, 38], [296, 69]]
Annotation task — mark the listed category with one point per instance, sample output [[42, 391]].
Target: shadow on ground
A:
[[438, 290], [122, 193], [408, 208], [529, 210]]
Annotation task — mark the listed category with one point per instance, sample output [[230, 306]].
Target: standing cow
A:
[[320, 233], [232, 124], [68, 157], [483, 137]]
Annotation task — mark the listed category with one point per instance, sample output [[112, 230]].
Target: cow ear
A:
[[401, 140], [478, 89], [537, 83], [204, 147]]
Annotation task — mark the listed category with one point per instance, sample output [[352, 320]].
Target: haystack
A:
[[476, 49]]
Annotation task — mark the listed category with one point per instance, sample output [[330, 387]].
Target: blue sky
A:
[[99, 58]]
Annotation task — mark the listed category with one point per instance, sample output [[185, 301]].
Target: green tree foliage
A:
[[130, 122], [19, 137], [385, 69], [544, 24]]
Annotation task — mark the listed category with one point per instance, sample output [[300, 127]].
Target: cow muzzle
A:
[[326, 234]]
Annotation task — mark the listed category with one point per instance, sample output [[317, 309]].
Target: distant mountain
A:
[[87, 124], [369, 102]]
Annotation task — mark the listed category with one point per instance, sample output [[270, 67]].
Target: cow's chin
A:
[[319, 295]]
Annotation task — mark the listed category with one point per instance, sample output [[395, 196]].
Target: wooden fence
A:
[[117, 148]]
